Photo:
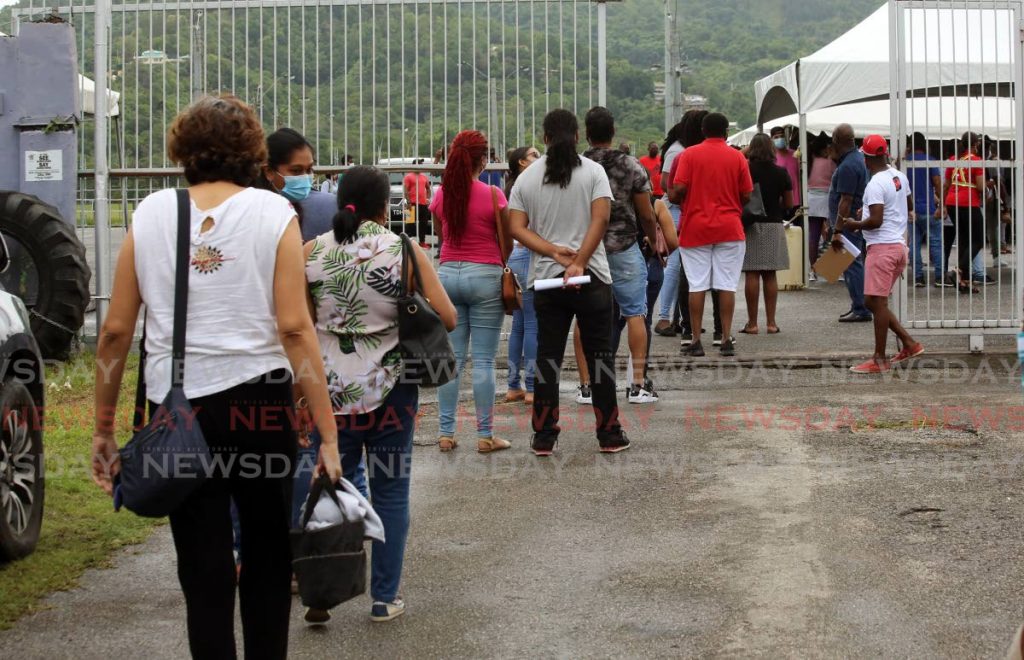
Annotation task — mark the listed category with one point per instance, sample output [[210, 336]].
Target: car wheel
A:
[[48, 270], [21, 471]]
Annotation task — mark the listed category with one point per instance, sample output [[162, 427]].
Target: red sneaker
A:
[[872, 366], [907, 353]]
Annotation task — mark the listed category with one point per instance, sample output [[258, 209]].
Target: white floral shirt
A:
[[355, 288]]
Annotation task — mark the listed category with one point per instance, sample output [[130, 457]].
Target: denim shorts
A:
[[629, 281]]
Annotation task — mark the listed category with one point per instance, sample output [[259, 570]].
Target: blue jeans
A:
[[305, 464], [930, 228], [475, 290], [386, 436], [854, 275], [629, 281], [670, 288], [522, 343]]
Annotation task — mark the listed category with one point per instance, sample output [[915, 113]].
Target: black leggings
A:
[[970, 236], [248, 427], [683, 305]]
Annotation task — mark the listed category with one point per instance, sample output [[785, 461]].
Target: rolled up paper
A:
[[559, 282]]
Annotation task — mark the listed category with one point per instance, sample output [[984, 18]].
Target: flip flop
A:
[[746, 330], [777, 331]]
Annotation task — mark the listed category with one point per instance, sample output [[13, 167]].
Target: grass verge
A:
[[80, 528]]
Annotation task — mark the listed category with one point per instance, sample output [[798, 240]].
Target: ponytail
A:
[[560, 130], [467, 150], [362, 195]]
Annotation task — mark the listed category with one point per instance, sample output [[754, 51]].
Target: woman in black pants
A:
[[964, 191], [246, 332]]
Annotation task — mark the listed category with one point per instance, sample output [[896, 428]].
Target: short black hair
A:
[[715, 125], [600, 125], [918, 141], [776, 129]]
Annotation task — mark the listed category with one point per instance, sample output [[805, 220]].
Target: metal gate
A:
[[955, 71]]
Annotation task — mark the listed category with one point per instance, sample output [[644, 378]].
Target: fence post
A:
[[102, 203]]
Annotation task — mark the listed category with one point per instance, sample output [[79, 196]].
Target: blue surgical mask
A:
[[780, 143], [296, 188]]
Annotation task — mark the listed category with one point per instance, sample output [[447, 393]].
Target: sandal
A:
[[747, 330], [447, 443], [487, 445], [967, 288], [773, 332]]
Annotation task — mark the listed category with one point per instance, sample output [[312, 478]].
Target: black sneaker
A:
[[919, 283], [584, 395], [687, 338], [986, 281], [614, 445], [728, 348], [640, 394], [693, 350], [542, 448], [716, 340]]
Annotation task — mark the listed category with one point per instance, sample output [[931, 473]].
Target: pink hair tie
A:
[[350, 207]]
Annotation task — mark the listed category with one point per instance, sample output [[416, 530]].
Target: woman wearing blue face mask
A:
[[289, 172]]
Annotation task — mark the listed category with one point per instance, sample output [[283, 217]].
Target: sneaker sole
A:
[[316, 617], [543, 453], [642, 401], [584, 402], [614, 450]]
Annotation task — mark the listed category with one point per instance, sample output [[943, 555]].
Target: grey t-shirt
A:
[[317, 214], [562, 215]]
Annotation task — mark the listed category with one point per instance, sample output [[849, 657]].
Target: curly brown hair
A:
[[218, 138]]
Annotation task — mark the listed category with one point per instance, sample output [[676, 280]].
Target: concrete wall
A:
[[39, 109]]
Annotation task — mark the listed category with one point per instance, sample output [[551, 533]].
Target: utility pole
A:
[[198, 59], [671, 81]]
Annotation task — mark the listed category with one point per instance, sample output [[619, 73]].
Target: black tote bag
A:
[[428, 359], [166, 461], [330, 562]]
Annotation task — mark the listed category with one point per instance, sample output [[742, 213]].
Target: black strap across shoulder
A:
[[408, 255], [180, 309], [181, 289]]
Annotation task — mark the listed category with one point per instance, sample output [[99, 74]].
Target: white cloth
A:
[[670, 155], [714, 266], [231, 332], [891, 189], [817, 203], [354, 507], [562, 215]]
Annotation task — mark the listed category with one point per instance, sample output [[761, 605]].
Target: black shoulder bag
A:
[[166, 461], [427, 356]]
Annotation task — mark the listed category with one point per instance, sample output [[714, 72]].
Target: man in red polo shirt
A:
[[713, 184], [652, 163]]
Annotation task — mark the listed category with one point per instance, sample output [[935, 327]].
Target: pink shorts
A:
[[883, 267]]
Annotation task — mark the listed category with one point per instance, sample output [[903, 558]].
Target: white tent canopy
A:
[[938, 118], [944, 47], [87, 89]]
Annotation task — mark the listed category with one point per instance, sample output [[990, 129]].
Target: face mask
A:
[[296, 188], [780, 143]]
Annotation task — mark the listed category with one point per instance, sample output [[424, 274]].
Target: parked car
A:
[[21, 428]]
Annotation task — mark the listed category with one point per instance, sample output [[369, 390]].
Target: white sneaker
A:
[[584, 395], [638, 394], [387, 611], [813, 277]]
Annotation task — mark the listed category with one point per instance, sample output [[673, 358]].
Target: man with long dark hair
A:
[[560, 209]]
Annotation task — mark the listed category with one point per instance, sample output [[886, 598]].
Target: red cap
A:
[[875, 145]]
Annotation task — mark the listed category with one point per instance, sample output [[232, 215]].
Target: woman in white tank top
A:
[[246, 332]]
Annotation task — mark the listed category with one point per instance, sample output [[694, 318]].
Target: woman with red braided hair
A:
[[472, 260]]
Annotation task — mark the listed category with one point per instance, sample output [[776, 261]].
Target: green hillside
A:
[[373, 80]]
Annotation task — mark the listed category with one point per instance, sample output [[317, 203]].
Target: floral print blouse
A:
[[355, 288]]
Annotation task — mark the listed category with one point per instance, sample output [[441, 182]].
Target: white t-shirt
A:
[[670, 155], [562, 215], [890, 188], [231, 329]]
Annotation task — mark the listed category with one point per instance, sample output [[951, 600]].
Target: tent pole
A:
[[805, 159]]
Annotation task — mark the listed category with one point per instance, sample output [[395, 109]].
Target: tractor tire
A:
[[60, 291]]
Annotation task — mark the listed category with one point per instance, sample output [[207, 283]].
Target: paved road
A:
[[796, 518]]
